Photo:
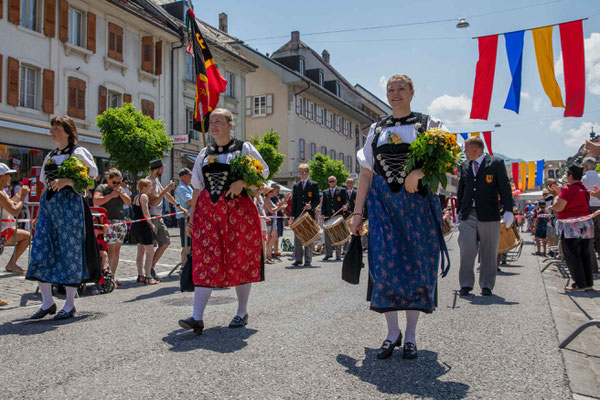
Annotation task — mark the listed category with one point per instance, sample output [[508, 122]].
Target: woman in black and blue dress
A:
[[64, 249], [405, 237]]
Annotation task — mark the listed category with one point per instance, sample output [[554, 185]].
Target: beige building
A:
[[78, 57]]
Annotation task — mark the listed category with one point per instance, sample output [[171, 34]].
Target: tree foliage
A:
[[132, 139], [322, 167], [268, 146]]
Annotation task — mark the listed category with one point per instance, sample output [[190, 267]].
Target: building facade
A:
[[78, 57]]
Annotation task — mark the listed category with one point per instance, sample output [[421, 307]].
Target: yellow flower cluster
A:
[[394, 139], [439, 137]]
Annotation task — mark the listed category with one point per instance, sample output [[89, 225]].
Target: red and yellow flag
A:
[[209, 81]]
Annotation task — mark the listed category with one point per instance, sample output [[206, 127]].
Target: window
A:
[[332, 154], [114, 99], [76, 98], [364, 140], [309, 110], [299, 106], [301, 66], [337, 88], [341, 157], [349, 162], [313, 150], [75, 27], [321, 78], [550, 174], [230, 84], [30, 14], [28, 87], [190, 123], [324, 150], [329, 119], [115, 41], [189, 68], [301, 154], [259, 106], [346, 125], [148, 108], [338, 121], [320, 111]]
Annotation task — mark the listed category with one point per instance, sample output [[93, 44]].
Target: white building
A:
[[78, 57]]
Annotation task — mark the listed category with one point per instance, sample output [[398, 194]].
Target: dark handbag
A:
[[186, 282], [353, 263]]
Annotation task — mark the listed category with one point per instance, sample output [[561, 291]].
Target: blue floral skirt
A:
[[58, 249], [405, 244]]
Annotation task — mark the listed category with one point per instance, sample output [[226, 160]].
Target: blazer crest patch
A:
[[339, 198], [309, 194], [489, 178]]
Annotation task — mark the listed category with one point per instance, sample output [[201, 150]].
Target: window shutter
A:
[[91, 31], [50, 18], [248, 106], [14, 11], [158, 58], [48, 92], [119, 42], [102, 99], [12, 95], [269, 104], [81, 99], [151, 109], [147, 60], [1, 16], [72, 97], [126, 98], [63, 20]]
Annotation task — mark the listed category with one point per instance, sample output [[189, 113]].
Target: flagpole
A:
[[203, 132]]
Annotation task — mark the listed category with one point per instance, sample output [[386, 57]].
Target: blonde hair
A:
[[304, 166], [113, 172], [225, 113], [142, 183], [402, 78]]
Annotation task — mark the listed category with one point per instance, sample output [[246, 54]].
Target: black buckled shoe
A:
[[62, 314], [410, 351], [387, 348], [238, 322], [41, 313], [191, 323]]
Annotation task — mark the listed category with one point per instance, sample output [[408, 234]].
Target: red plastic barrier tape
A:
[[580, 219]]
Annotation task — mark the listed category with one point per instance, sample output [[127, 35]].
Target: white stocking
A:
[[391, 317], [70, 301], [243, 293], [412, 317], [46, 292], [201, 296]]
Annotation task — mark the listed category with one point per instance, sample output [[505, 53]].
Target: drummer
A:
[[305, 196], [335, 202]]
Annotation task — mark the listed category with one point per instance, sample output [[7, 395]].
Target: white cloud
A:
[[383, 82], [592, 63], [525, 95], [537, 104], [574, 137], [451, 109]]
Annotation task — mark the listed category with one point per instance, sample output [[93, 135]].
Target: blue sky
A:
[[438, 57]]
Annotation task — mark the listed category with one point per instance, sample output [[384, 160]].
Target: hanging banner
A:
[[465, 135], [515, 173], [542, 41], [571, 39], [539, 173], [523, 167], [487, 138], [531, 176], [484, 77], [514, 52], [474, 134]]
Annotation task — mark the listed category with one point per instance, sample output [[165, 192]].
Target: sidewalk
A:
[[570, 310]]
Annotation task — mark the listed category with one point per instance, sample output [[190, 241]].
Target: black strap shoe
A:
[[238, 322], [190, 323], [387, 348], [62, 314], [410, 351], [41, 313]]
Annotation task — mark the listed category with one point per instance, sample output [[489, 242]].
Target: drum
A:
[[364, 228], [337, 230], [306, 228], [508, 239]]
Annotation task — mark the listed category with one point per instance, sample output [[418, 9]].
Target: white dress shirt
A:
[[478, 161]]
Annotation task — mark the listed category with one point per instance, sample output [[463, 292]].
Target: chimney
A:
[[325, 55], [295, 40], [223, 22]]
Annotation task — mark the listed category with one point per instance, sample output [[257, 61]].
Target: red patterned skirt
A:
[[226, 242]]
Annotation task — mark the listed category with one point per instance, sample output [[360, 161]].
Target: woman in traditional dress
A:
[[405, 236], [64, 249], [225, 226]]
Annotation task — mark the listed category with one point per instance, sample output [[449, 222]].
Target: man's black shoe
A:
[[486, 291], [326, 258], [465, 291], [297, 263], [307, 264]]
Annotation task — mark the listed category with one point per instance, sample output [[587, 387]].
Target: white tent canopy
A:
[[282, 189], [531, 196]]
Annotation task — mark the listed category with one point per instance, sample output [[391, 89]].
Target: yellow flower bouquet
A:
[[247, 168], [436, 152], [74, 168]]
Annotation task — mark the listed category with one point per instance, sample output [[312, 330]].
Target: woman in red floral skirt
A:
[[225, 226]]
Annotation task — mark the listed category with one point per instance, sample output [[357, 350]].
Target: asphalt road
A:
[[310, 335]]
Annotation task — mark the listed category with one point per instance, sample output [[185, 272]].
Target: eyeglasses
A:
[[116, 182], [332, 181], [302, 172]]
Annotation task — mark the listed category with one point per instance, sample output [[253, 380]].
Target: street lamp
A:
[[462, 24], [497, 125]]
